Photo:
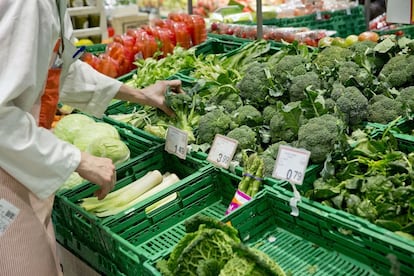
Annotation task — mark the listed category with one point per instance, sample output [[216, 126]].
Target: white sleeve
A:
[[32, 155], [88, 90]]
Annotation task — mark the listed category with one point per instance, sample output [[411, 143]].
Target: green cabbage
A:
[[93, 132], [74, 180], [68, 127], [109, 147]]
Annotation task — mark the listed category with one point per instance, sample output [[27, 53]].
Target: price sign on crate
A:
[[291, 164], [176, 142], [222, 151]]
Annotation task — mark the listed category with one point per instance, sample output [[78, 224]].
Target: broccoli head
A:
[[398, 71], [245, 136], [212, 123], [300, 83], [285, 124], [269, 156], [254, 86], [338, 90], [350, 73], [268, 113], [328, 59], [406, 97], [186, 109], [247, 115], [227, 98], [383, 110], [319, 136], [289, 65], [353, 105]]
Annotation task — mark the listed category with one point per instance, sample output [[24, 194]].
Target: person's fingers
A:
[[167, 110], [175, 86]]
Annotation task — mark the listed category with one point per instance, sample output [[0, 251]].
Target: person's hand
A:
[[155, 94], [99, 171]]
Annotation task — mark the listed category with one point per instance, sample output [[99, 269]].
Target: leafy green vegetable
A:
[[212, 248], [109, 147], [68, 127], [375, 180]]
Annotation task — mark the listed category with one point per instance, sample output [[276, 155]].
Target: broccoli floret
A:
[[361, 47], [285, 124], [269, 157], [245, 136], [254, 86], [268, 113], [406, 97], [300, 83], [247, 115], [289, 65], [353, 105], [327, 59], [383, 110], [319, 135], [226, 98], [350, 73], [186, 110], [330, 105], [231, 102], [338, 90], [398, 71], [212, 123]]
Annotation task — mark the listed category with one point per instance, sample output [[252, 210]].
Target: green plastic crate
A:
[[87, 227], [96, 49], [151, 236], [317, 242], [407, 30], [344, 22], [93, 258], [217, 46], [402, 131]]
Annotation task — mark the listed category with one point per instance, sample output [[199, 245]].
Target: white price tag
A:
[[222, 151], [8, 213], [291, 164], [176, 142]]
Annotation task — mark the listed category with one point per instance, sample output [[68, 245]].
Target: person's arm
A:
[[32, 155], [91, 92]]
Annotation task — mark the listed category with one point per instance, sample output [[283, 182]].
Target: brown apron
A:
[[28, 245]]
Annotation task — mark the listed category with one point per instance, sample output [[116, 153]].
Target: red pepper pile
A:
[[162, 36]]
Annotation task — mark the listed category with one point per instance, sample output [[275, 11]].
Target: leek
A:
[[124, 195], [168, 180]]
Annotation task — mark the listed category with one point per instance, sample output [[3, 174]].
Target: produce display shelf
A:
[[151, 236], [345, 22], [88, 228]]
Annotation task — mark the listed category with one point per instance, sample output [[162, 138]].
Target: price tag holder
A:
[[222, 151], [291, 164], [176, 142]]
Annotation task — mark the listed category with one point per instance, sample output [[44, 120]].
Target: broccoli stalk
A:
[[186, 111]]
